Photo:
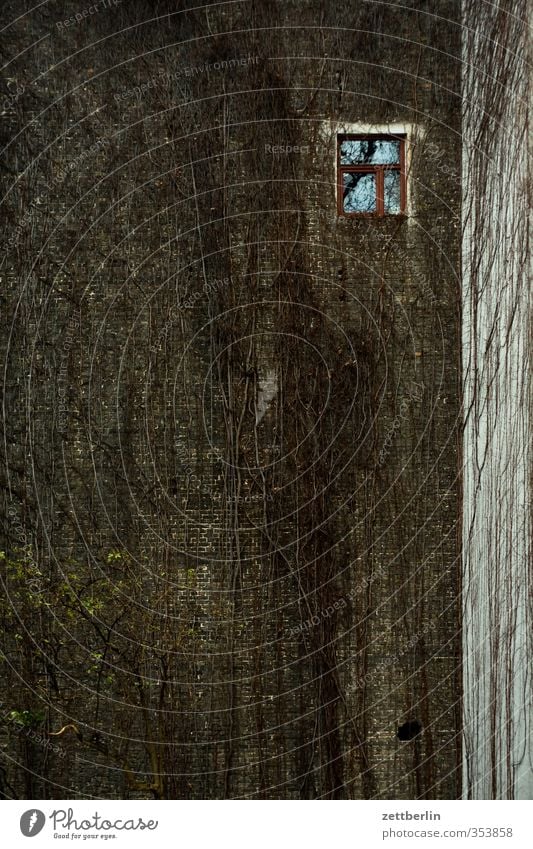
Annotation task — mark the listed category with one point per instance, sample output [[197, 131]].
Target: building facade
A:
[[232, 419]]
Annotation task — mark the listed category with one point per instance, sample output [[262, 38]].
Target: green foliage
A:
[[114, 555]]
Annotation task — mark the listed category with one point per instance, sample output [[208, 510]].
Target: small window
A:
[[371, 175]]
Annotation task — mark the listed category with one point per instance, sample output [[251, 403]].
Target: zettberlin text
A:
[[407, 815]]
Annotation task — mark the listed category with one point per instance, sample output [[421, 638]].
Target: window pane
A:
[[392, 192], [370, 152], [359, 193]]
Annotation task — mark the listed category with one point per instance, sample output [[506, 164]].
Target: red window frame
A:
[[377, 170]]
